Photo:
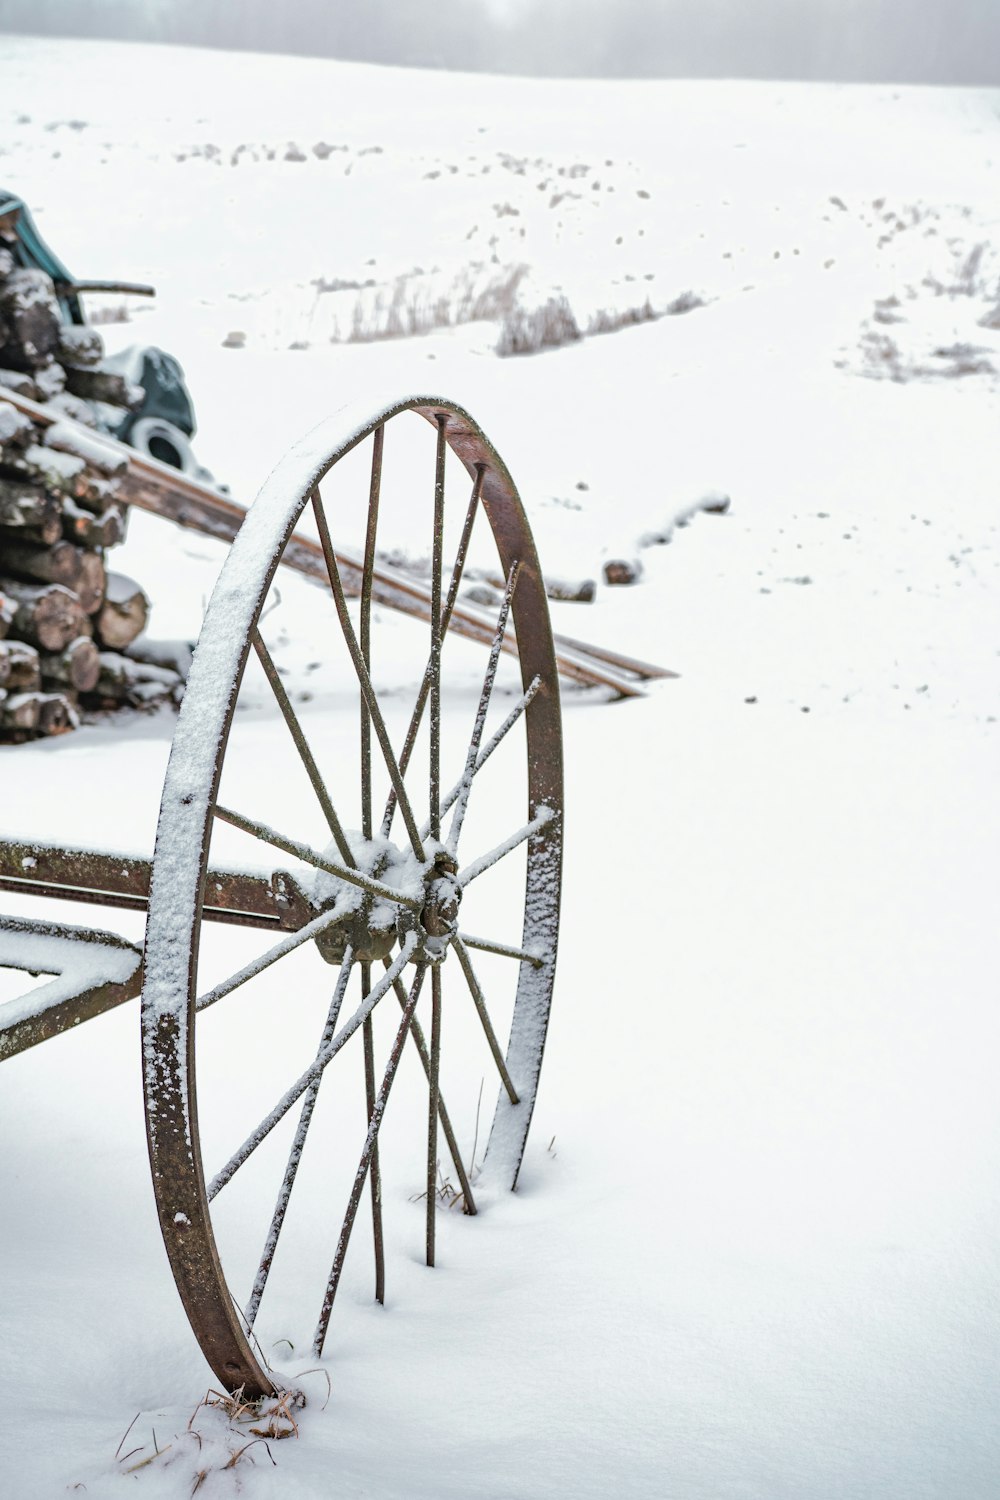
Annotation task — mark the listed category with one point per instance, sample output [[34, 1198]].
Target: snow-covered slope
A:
[[754, 1251]]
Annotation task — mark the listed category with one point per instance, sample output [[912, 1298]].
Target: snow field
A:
[[753, 1252]]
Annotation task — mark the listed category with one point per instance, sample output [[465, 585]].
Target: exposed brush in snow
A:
[[528, 330], [610, 320], [446, 1192], [419, 303]]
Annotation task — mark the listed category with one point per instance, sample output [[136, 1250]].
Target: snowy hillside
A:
[[755, 1244]]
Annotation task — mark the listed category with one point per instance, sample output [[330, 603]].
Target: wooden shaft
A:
[[167, 492]]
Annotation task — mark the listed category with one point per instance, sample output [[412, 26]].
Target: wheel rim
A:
[[191, 810]]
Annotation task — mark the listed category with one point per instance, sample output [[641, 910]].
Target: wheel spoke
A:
[[371, 1139], [484, 1016], [306, 755], [463, 548], [486, 945], [432, 1110], [368, 692], [314, 1071], [538, 822], [366, 618], [465, 785], [309, 856], [453, 586], [494, 741], [258, 965], [375, 1176], [416, 1032], [295, 1154], [435, 662]]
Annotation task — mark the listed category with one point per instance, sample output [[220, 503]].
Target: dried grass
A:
[[445, 1192], [529, 330], [610, 320], [418, 303], [223, 1444]]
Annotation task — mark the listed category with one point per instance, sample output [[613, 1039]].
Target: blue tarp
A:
[[159, 374], [31, 250]]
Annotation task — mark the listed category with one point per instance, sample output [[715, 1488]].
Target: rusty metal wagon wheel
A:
[[378, 911]]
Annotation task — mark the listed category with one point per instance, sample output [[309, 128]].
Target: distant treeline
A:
[[908, 41]]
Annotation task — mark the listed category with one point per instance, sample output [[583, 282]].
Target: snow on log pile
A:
[[65, 616]]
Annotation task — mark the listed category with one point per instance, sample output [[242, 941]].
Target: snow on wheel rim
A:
[[188, 811]]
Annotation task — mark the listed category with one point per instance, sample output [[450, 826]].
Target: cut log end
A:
[[78, 667], [622, 571], [123, 614], [46, 617], [25, 715]]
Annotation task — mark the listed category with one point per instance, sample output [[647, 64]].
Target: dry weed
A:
[[232, 1405], [419, 303], [529, 330], [278, 1419], [222, 1448], [446, 1192]]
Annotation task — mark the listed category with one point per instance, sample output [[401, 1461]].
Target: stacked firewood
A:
[[66, 619]]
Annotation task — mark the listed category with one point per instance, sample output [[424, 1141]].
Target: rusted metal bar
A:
[[378, 723], [374, 491], [473, 871], [309, 856], [504, 950], [418, 708], [295, 1154], [416, 1032], [433, 1091], [458, 817], [323, 1059], [302, 746], [122, 880], [479, 1000], [434, 783], [519, 707], [281, 949], [368, 1030], [378, 1110]]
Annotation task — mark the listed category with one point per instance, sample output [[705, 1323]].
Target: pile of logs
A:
[[66, 620]]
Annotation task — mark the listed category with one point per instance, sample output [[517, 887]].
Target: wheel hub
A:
[[439, 917], [372, 926]]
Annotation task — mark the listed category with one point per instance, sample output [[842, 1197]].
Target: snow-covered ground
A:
[[755, 1244]]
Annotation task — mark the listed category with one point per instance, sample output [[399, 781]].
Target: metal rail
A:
[[165, 491], [239, 898]]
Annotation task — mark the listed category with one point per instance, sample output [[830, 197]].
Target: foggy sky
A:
[[904, 41]]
